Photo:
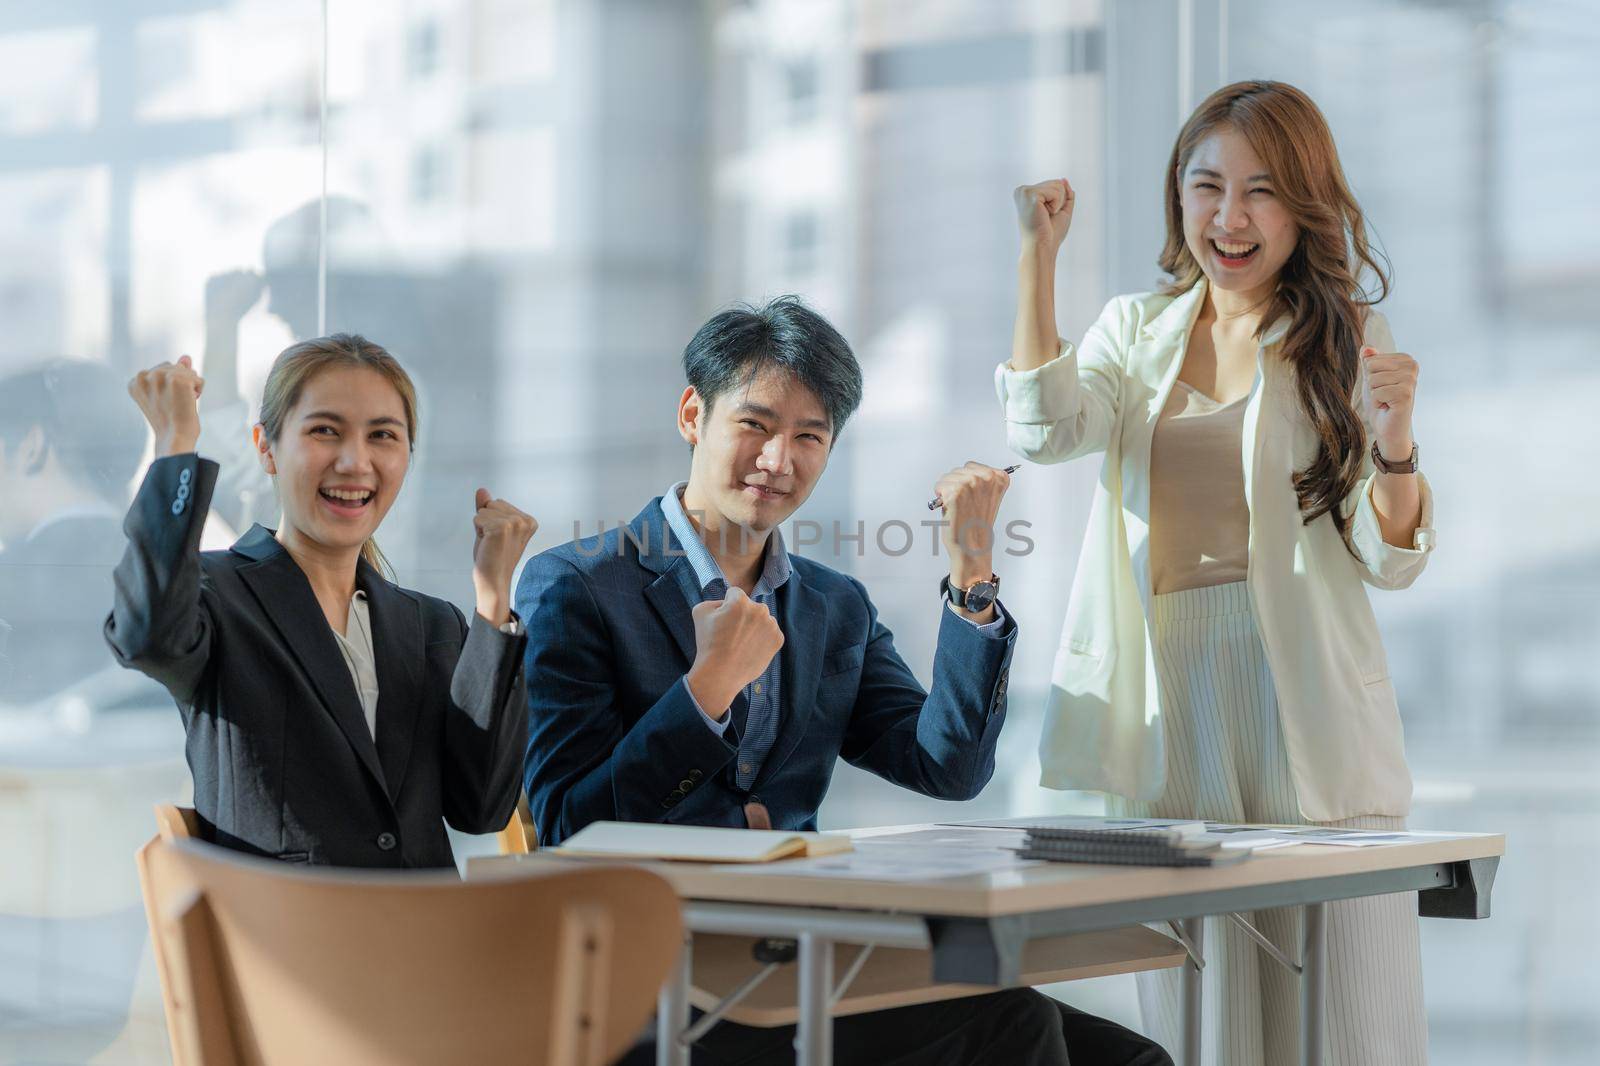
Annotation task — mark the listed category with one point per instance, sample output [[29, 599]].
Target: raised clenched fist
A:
[[503, 533], [1044, 213], [735, 639], [1388, 396], [169, 396], [971, 496]]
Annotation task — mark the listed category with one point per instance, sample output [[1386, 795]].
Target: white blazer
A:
[[1103, 727]]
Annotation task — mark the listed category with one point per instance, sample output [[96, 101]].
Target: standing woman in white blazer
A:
[[1220, 659]]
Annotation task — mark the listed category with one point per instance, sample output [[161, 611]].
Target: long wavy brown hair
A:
[[1320, 288]]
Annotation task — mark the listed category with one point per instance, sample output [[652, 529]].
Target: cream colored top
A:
[[1199, 520]]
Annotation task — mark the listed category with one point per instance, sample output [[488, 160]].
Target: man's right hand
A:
[[1044, 213], [734, 640], [169, 396]]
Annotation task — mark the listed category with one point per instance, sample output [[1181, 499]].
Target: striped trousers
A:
[[1226, 762]]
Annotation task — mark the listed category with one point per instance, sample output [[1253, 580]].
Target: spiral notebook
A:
[[1131, 847]]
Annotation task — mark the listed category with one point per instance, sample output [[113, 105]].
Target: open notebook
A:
[[693, 843]]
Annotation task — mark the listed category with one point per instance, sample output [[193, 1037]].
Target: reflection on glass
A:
[[143, 149]]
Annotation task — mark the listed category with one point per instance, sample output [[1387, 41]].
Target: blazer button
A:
[[695, 776], [685, 785], [386, 841], [670, 802]]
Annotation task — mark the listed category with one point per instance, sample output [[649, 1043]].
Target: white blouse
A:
[[356, 644]]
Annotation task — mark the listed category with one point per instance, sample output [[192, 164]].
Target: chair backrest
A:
[[172, 823], [270, 964], [519, 837]]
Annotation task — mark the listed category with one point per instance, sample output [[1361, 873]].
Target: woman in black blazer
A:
[[332, 716]]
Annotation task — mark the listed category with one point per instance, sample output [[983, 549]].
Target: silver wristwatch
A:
[[979, 596]]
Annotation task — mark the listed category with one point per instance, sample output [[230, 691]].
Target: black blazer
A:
[[282, 759]]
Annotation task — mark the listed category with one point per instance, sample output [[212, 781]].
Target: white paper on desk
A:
[[966, 838], [694, 843], [1084, 821], [1249, 843], [1243, 837], [1257, 837], [1344, 838], [875, 860]]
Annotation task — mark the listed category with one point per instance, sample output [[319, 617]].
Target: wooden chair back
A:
[[519, 837], [172, 823], [272, 964]]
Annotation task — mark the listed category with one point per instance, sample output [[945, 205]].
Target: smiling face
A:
[[340, 457], [1234, 224], [758, 451]]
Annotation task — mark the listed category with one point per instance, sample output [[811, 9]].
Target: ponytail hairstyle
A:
[[297, 364], [1320, 287]]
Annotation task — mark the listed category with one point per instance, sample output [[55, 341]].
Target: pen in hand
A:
[[936, 503]]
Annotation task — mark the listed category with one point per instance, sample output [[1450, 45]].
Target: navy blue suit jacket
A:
[[614, 735]]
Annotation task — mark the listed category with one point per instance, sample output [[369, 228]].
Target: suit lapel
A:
[[397, 647], [280, 586], [803, 614], [665, 594], [660, 553]]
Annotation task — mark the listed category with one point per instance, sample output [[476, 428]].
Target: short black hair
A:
[[87, 418], [736, 344]]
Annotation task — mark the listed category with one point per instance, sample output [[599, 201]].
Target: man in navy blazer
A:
[[688, 669]]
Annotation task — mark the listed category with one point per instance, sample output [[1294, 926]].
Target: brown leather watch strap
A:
[[1404, 466]]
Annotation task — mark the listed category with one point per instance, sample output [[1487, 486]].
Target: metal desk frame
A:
[[989, 950]]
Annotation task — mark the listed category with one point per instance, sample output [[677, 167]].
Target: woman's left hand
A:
[[502, 534], [1388, 394]]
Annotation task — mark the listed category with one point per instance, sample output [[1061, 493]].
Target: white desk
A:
[[976, 926]]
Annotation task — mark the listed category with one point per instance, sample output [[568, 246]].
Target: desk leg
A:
[[672, 1010], [814, 1034], [1313, 984], [1194, 929]]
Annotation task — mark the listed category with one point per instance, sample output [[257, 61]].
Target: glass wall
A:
[[534, 203]]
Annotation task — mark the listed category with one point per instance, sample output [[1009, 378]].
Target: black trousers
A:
[[1015, 1027]]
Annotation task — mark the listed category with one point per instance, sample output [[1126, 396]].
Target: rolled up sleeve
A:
[[1389, 566], [1067, 407]]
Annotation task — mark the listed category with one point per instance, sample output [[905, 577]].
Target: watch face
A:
[[981, 597]]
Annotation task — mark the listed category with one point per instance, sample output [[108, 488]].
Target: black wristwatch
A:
[[1404, 466], [977, 597]]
